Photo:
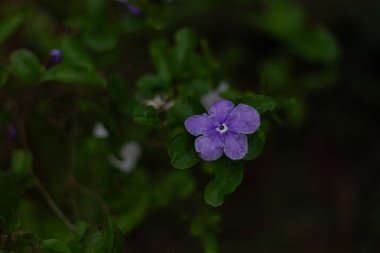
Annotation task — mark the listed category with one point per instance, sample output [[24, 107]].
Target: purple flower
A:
[[56, 56], [223, 129], [12, 132], [134, 10]]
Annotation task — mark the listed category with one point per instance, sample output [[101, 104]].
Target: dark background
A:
[[315, 188]]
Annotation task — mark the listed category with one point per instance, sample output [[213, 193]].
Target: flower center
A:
[[222, 128]]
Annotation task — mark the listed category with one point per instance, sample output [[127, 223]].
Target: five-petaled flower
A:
[[223, 129]]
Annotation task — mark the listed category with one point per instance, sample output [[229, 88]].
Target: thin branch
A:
[[96, 197], [54, 206]]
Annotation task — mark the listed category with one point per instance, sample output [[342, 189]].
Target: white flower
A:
[[100, 131], [160, 103], [130, 154], [213, 96]]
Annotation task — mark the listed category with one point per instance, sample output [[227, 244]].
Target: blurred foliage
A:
[[140, 68]]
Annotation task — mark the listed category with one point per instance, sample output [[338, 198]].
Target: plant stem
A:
[[54, 206]]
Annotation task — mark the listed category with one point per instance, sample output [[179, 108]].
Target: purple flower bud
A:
[[12, 132], [56, 56], [134, 10], [223, 130]]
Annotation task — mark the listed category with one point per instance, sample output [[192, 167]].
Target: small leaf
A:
[[185, 108], [107, 238], [75, 54], [9, 25], [26, 239], [55, 246], [94, 241], [101, 40], [255, 145], [9, 193], [73, 74], [25, 65], [21, 161], [260, 102], [176, 185], [129, 220], [228, 175], [182, 152], [161, 58], [150, 85], [186, 41], [146, 115], [3, 76]]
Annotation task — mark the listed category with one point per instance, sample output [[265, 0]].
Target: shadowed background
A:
[[315, 187]]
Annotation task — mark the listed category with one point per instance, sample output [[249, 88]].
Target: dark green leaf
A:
[[146, 115], [21, 161], [74, 54], [3, 76], [186, 41], [260, 102], [162, 59], [72, 74], [317, 45], [127, 221], [25, 65], [185, 108], [177, 185], [9, 193], [55, 246], [94, 241], [8, 25], [101, 40], [150, 85], [26, 239], [256, 143], [228, 175], [182, 152], [100, 240]]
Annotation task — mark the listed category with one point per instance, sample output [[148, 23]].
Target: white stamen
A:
[[222, 128]]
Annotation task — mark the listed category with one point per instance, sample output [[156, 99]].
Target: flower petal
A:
[[243, 119], [220, 110], [235, 145], [199, 124], [209, 146]]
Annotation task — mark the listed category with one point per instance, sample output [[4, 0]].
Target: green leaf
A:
[[228, 175], [100, 240], [27, 239], [55, 246], [101, 40], [186, 41], [9, 25], [73, 74], [182, 152], [3, 76], [130, 219], [256, 143], [21, 161], [260, 102], [74, 54], [176, 185], [146, 115], [318, 44], [185, 108], [150, 85], [25, 65], [94, 241], [161, 58], [9, 193]]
